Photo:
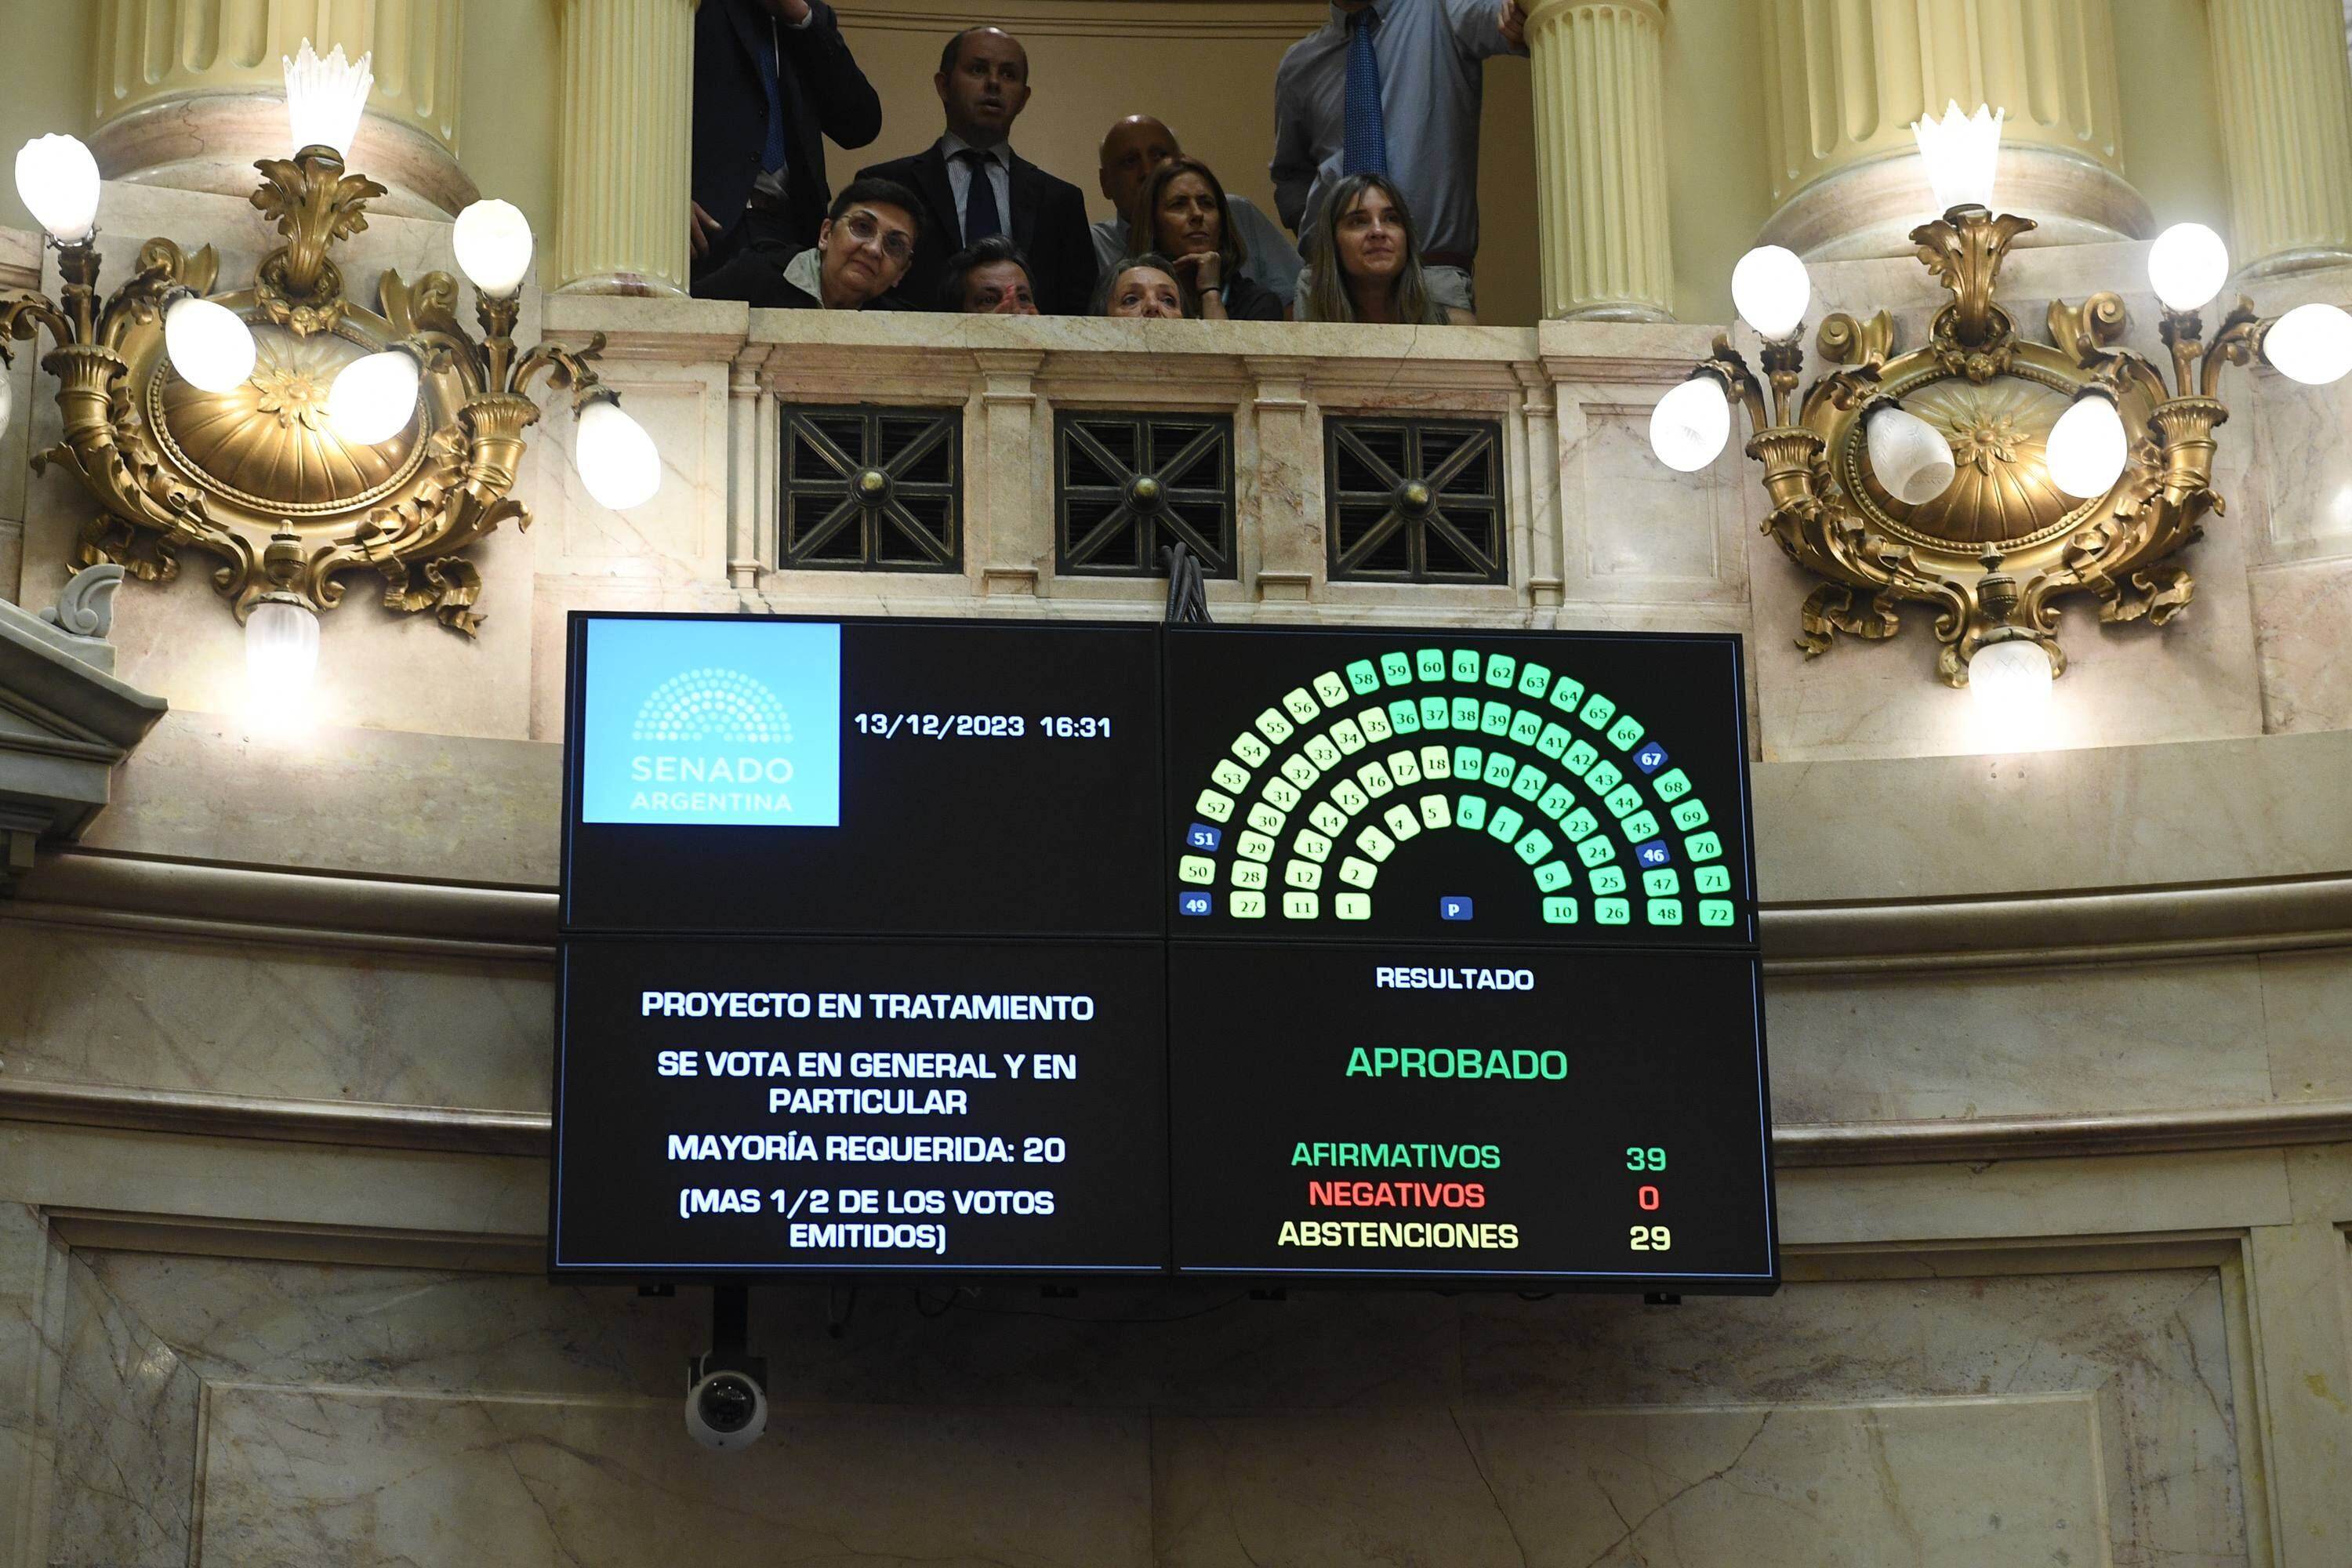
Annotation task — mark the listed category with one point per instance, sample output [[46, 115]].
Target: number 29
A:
[[1652, 1238]]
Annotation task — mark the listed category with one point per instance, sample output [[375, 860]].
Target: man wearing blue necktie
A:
[[772, 81], [1394, 88]]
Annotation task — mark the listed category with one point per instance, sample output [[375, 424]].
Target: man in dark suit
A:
[[974, 185], [772, 79]]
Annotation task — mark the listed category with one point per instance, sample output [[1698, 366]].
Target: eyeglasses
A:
[[865, 229]]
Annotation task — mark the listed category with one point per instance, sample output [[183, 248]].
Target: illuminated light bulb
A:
[[2088, 447], [493, 243], [2187, 265], [1961, 151], [1910, 456], [57, 179], [618, 462], [1690, 425], [210, 345], [1772, 290], [282, 651], [2009, 686], [2311, 344], [324, 98], [374, 399]]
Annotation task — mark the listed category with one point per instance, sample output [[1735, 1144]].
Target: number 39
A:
[[1646, 1159], [1653, 1239]]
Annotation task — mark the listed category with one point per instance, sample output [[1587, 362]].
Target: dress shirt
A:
[[1000, 179], [1272, 264], [1431, 82]]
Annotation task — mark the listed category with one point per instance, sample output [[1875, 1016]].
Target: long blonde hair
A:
[[1325, 288]]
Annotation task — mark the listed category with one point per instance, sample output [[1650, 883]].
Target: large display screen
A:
[[899, 947]]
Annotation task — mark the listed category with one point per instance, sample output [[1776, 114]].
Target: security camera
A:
[[726, 1409]]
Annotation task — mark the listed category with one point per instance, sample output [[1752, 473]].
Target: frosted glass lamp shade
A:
[[373, 398], [2311, 344], [2009, 686], [493, 243], [210, 345], [2088, 447], [1962, 151], [57, 179], [282, 651], [1772, 290], [325, 98], [1910, 456], [618, 462], [1690, 425], [2187, 265]]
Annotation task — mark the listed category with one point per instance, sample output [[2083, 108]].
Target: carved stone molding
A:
[[65, 722]]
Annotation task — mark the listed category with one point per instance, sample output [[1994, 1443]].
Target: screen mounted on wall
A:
[[904, 947]]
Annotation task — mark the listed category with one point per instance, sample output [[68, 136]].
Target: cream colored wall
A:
[[1718, 187], [44, 82], [2172, 136], [506, 118]]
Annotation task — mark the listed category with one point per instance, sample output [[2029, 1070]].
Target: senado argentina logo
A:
[[710, 727]]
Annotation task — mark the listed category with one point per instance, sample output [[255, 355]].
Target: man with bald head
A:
[[974, 185], [1139, 143]]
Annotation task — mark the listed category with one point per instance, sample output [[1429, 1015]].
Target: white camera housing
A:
[[726, 1409]]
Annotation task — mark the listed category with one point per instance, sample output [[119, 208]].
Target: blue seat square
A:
[[1454, 909], [1202, 837], [1196, 902]]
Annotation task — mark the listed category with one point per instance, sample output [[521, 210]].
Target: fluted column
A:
[[623, 143], [2285, 93], [188, 93], [1600, 158], [1843, 79]]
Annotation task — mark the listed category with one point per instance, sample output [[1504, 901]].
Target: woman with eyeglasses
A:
[[865, 247], [1364, 261], [1181, 214]]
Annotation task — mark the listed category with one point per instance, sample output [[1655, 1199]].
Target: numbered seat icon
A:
[[1196, 903]]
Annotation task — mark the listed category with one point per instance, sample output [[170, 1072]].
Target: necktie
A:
[[1366, 146], [980, 218], [773, 156]]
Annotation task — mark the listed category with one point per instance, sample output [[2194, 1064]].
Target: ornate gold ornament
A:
[[174, 466], [2021, 472]]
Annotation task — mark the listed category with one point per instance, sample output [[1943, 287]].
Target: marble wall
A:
[[2091, 1410], [2064, 1097]]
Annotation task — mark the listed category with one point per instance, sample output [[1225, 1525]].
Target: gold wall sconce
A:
[[1984, 474], [285, 430]]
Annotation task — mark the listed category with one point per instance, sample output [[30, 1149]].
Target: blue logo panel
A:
[[721, 723]]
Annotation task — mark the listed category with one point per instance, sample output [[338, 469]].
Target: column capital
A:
[[189, 93], [1844, 83]]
